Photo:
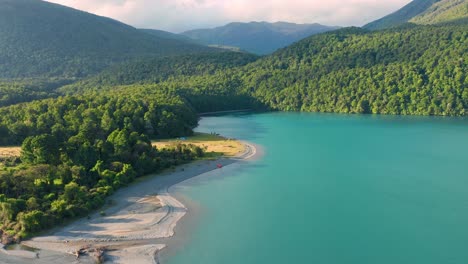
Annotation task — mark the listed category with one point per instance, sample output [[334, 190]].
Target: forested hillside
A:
[[421, 71], [167, 35], [26, 90], [443, 11], [149, 70], [415, 70], [403, 15], [424, 12], [257, 37], [41, 39], [156, 70]]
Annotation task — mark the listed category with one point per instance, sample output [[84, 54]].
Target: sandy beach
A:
[[134, 227]]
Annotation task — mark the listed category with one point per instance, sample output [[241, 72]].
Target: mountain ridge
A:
[[39, 38], [167, 35], [257, 37], [423, 12]]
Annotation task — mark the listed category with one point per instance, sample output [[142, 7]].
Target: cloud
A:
[[179, 15]]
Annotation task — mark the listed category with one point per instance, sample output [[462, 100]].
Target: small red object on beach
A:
[[220, 166]]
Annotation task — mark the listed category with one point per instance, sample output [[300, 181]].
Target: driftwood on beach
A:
[[97, 253], [79, 252]]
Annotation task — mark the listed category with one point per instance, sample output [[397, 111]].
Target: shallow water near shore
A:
[[333, 189]]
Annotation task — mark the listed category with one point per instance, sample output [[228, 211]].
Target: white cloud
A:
[[179, 15]]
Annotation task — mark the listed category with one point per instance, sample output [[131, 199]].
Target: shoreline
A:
[[173, 243], [224, 112], [136, 228]]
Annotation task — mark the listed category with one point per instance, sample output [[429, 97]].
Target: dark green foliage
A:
[[257, 37], [38, 38], [157, 70], [25, 90], [418, 70], [414, 70], [42, 149], [86, 118], [79, 149]]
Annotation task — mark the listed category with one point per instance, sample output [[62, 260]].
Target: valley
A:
[[103, 132]]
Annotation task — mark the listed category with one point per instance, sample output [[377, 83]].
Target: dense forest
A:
[[76, 150], [416, 70], [85, 128], [149, 70], [410, 70], [26, 90], [156, 70]]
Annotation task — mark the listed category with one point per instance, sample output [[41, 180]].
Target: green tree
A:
[[42, 149]]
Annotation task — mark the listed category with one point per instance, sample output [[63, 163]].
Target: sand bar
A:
[[133, 227]]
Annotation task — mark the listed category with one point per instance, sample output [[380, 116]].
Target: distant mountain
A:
[[423, 12], [167, 35], [38, 38], [257, 37]]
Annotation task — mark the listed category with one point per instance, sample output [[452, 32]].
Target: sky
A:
[[180, 15]]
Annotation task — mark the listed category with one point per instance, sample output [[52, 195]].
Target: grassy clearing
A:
[[215, 146], [8, 152]]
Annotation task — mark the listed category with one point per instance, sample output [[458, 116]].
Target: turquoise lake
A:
[[335, 189]]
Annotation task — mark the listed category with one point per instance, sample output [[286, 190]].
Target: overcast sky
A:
[[181, 15]]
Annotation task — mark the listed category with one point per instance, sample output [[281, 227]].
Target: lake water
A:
[[335, 189]]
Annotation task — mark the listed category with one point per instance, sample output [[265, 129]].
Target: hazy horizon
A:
[[182, 15]]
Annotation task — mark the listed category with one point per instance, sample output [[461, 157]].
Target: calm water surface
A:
[[335, 189]]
